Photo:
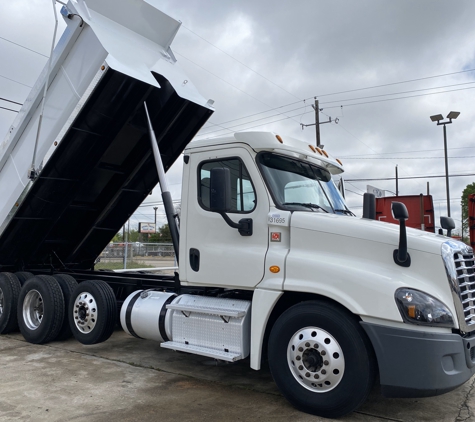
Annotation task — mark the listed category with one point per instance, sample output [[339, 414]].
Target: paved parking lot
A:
[[126, 379]]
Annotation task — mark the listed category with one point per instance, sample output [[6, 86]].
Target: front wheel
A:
[[321, 359]]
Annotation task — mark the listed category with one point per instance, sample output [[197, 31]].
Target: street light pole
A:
[[437, 118], [446, 171]]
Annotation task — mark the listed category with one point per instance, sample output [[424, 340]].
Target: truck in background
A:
[[420, 209], [272, 263]]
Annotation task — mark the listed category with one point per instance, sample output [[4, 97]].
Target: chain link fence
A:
[[136, 255]]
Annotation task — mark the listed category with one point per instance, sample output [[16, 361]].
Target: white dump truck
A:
[[272, 264]]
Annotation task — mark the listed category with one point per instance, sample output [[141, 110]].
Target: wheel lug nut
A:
[[316, 346], [307, 374], [300, 349], [77, 306], [323, 353], [324, 372], [300, 367], [325, 362], [76, 317], [298, 358], [307, 344], [316, 376]]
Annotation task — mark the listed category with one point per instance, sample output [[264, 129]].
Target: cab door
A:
[[215, 253]]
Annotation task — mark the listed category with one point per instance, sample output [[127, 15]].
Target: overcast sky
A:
[[263, 58]]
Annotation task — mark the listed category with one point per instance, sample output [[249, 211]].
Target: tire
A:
[[92, 312], [40, 309], [67, 285], [23, 276], [9, 292], [321, 359]]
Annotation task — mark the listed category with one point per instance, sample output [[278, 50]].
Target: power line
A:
[[403, 158], [403, 152], [221, 79], [403, 98], [10, 101], [398, 93], [396, 83], [9, 109], [408, 177], [348, 105], [240, 62], [22, 46], [13, 80], [355, 90]]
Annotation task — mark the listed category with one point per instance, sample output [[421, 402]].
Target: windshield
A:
[[296, 185]]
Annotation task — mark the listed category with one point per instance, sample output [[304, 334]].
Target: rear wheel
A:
[[9, 292], [40, 309], [92, 312], [321, 359], [67, 285], [23, 276]]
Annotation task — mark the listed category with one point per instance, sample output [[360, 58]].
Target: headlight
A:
[[422, 309]]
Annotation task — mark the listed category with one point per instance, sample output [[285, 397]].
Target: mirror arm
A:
[[244, 226], [400, 255]]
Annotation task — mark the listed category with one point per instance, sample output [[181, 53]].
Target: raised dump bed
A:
[[94, 158]]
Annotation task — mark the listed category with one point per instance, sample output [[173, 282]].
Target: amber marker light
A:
[[274, 269], [325, 153], [312, 148], [411, 311], [339, 162], [319, 151], [279, 139]]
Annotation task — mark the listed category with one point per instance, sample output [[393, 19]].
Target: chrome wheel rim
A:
[[33, 309], [85, 312], [315, 359]]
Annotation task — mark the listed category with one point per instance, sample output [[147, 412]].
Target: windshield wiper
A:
[[347, 212], [306, 204]]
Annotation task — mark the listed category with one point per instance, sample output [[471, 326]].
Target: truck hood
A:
[[372, 230]]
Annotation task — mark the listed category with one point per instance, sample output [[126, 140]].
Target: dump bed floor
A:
[[99, 174]]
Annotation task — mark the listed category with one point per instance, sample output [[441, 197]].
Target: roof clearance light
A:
[[312, 148], [339, 162], [319, 151], [325, 153], [279, 139]]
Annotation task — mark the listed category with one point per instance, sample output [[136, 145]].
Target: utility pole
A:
[[318, 123], [155, 209]]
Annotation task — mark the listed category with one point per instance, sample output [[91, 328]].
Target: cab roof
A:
[[270, 141]]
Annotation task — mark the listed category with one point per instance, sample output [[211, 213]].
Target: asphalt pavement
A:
[[126, 379]]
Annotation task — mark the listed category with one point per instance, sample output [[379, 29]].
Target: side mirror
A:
[[369, 206], [400, 255], [220, 189], [448, 224], [399, 211], [220, 199]]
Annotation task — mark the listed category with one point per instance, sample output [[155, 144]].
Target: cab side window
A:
[[243, 197]]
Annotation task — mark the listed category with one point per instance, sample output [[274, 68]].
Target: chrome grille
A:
[[460, 269], [465, 267]]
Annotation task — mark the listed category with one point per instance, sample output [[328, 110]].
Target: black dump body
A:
[[98, 175]]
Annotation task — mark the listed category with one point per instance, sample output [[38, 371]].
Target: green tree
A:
[[162, 236], [464, 202]]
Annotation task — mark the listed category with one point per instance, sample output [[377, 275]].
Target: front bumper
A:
[[420, 364]]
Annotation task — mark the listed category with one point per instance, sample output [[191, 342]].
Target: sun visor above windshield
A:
[[266, 141]]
